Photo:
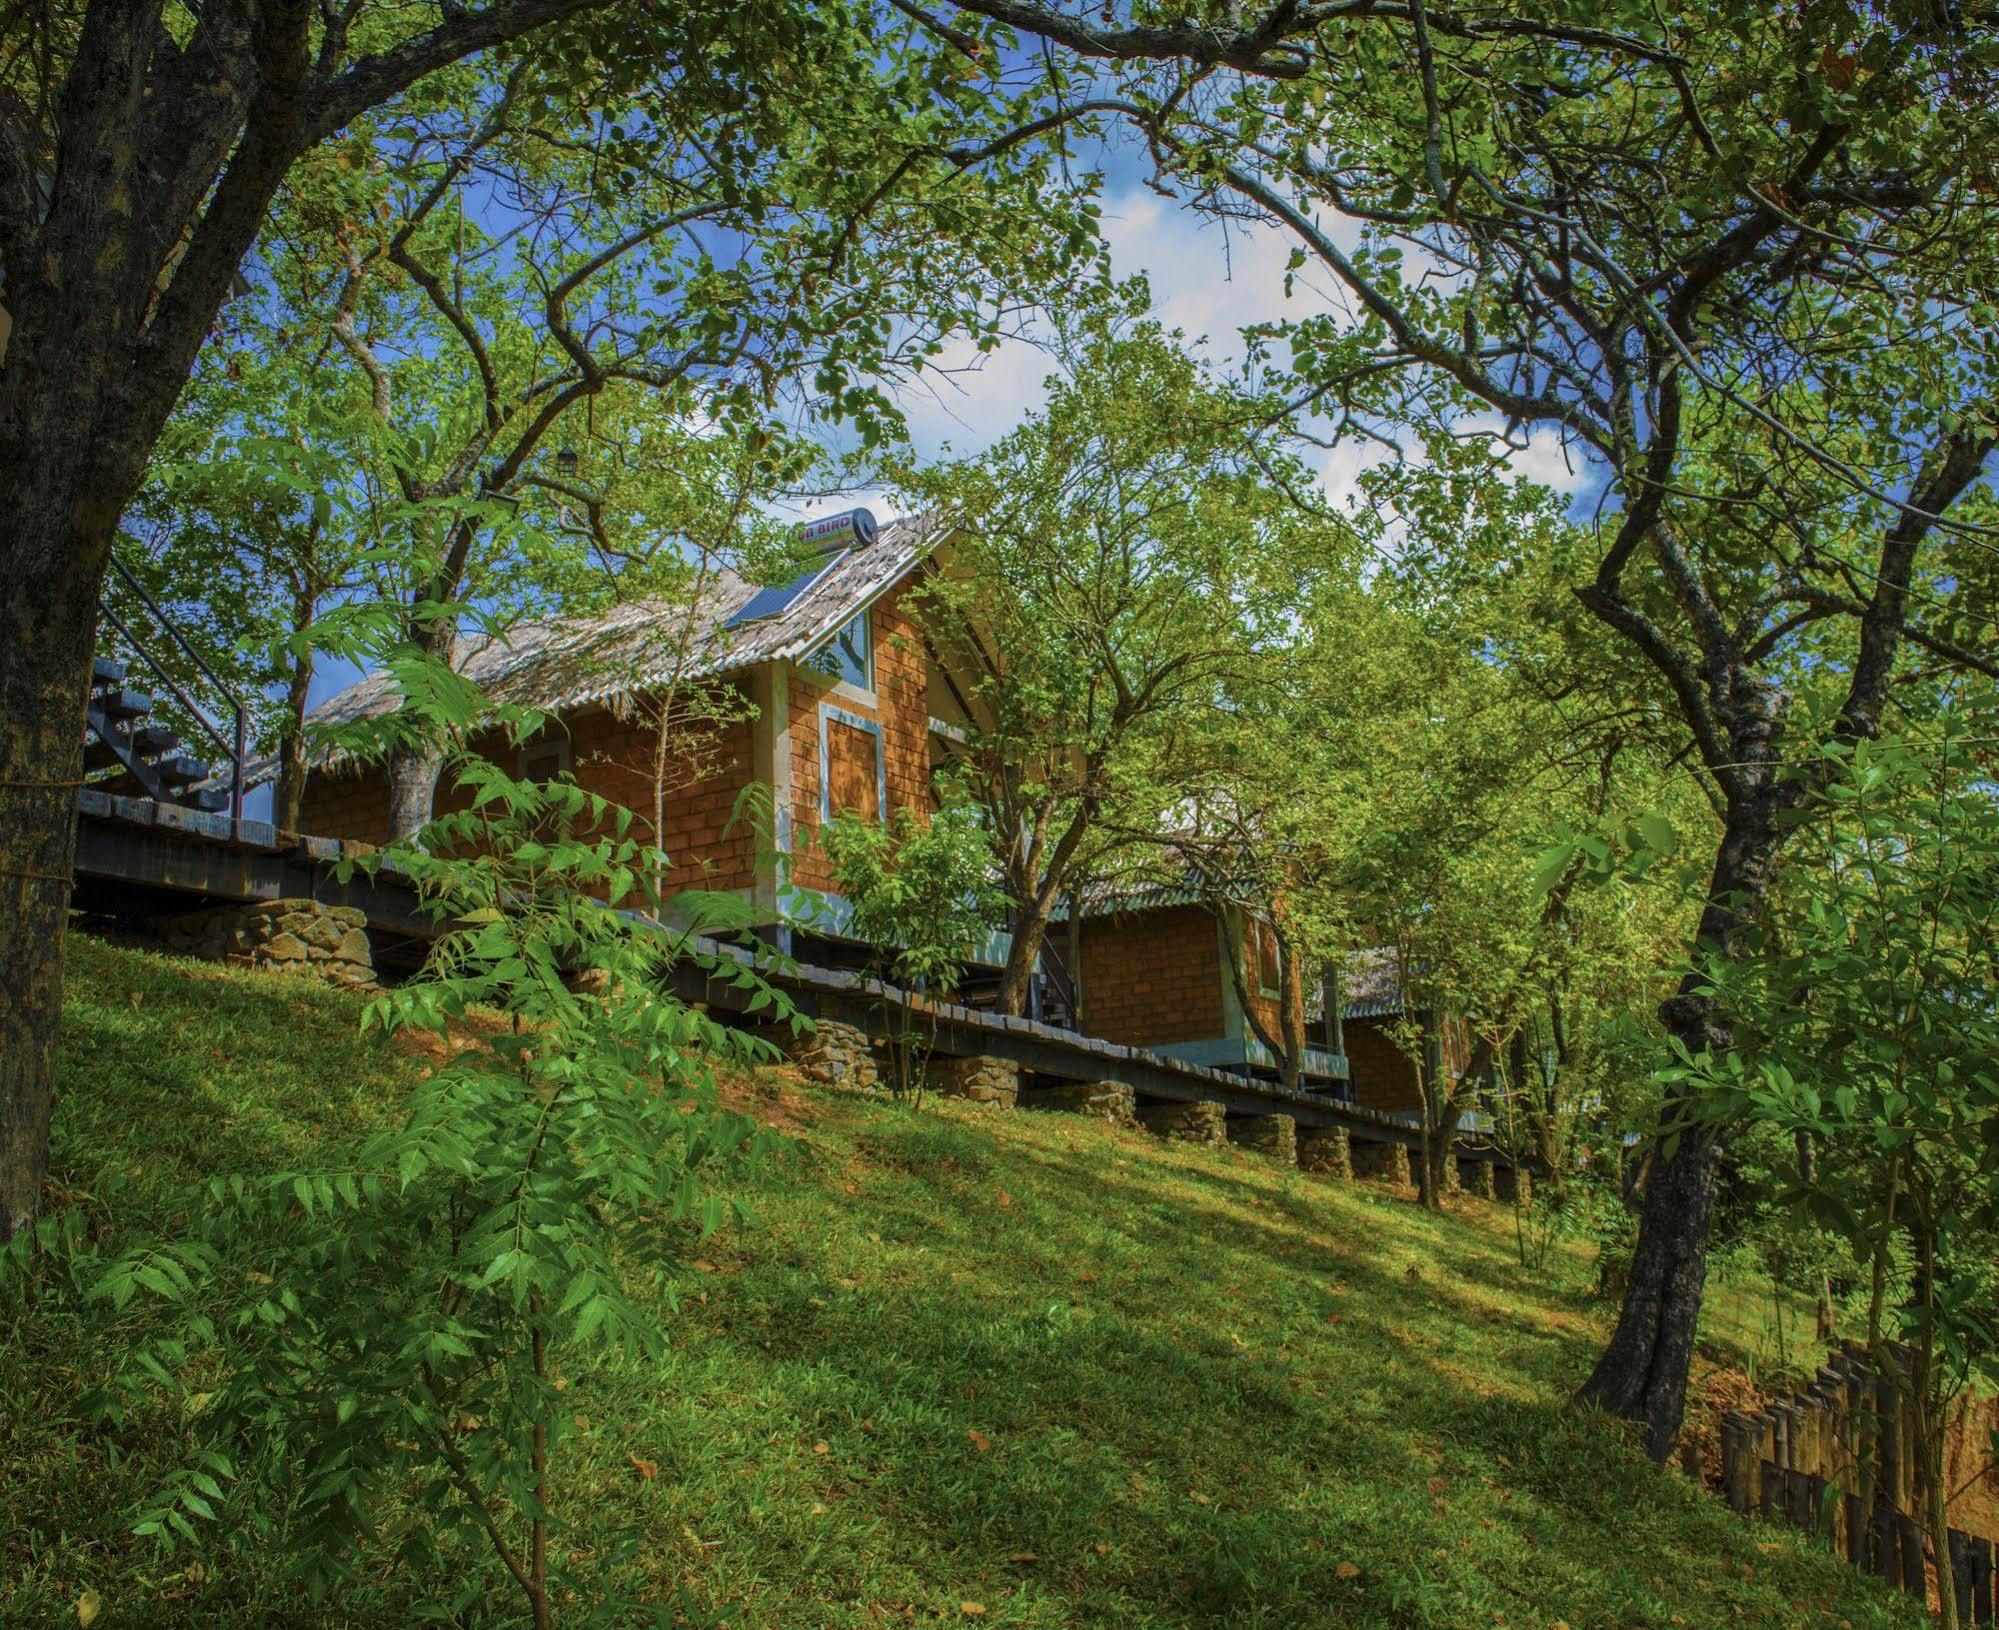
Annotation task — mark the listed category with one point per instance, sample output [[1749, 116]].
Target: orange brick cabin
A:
[[1154, 971], [1373, 1004], [817, 696]]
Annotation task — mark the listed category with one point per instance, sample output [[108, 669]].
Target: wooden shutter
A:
[[853, 770]]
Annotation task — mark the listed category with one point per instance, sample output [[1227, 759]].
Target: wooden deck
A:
[[136, 857]]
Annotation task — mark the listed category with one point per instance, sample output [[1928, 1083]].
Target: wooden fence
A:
[[1839, 1460]]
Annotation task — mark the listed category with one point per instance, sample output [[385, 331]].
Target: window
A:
[[848, 655], [544, 759], [855, 781], [1269, 968]]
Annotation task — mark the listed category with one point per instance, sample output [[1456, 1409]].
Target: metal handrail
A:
[[238, 749]]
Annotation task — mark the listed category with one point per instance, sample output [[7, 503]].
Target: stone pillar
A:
[[831, 1052], [1386, 1162], [296, 935], [1513, 1183], [1199, 1122], [1112, 1101], [1475, 1177], [982, 1080], [1326, 1150], [1272, 1135]]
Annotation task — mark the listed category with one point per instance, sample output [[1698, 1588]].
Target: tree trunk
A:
[[413, 773], [50, 629], [1436, 1151], [290, 794], [1030, 931], [415, 764], [1642, 1373]]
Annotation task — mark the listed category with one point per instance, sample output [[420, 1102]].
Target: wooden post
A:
[[1798, 1498], [1960, 1573], [1856, 1532], [1915, 1579], [1888, 1439], [1771, 1495], [1886, 1542], [1735, 1460]]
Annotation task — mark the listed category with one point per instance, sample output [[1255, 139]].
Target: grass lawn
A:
[[970, 1367]]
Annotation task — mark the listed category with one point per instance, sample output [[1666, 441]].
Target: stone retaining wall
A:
[[1199, 1122], [1272, 1135], [1387, 1162], [832, 1052], [982, 1080], [1326, 1150], [1110, 1100], [1510, 1183], [1475, 1177], [297, 935]]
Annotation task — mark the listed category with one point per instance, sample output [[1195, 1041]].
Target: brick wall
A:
[[711, 766], [901, 707], [1152, 978], [346, 803], [1384, 1077], [708, 766]]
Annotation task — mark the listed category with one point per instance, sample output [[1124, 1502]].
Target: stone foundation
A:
[[832, 1052], [1326, 1150], [1272, 1135], [1512, 1183], [1384, 1162], [1475, 1177], [298, 935], [982, 1080], [1112, 1101], [1198, 1122]]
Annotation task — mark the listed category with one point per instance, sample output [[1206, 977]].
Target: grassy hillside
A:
[[1015, 1370]]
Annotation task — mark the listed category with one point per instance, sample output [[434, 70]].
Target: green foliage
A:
[[393, 1326], [1866, 1028], [920, 889], [1116, 563], [921, 895]]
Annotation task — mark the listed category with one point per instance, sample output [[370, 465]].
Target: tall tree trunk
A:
[[50, 629], [1030, 932], [414, 766], [1642, 1374], [1436, 1150], [290, 794]]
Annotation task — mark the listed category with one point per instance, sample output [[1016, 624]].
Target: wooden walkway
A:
[[135, 856]]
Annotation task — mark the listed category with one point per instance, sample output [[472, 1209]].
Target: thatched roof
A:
[[561, 664]]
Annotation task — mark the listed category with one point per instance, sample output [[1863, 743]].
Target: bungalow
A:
[[1169, 968], [1165, 967], [1374, 1004], [820, 694]]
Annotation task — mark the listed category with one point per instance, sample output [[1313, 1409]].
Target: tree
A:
[[137, 160], [141, 147], [1113, 562], [1865, 1035], [922, 897], [1738, 270], [248, 526]]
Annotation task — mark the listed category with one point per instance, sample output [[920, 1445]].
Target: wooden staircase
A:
[[124, 755]]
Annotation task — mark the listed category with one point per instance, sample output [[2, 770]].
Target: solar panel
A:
[[766, 603]]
